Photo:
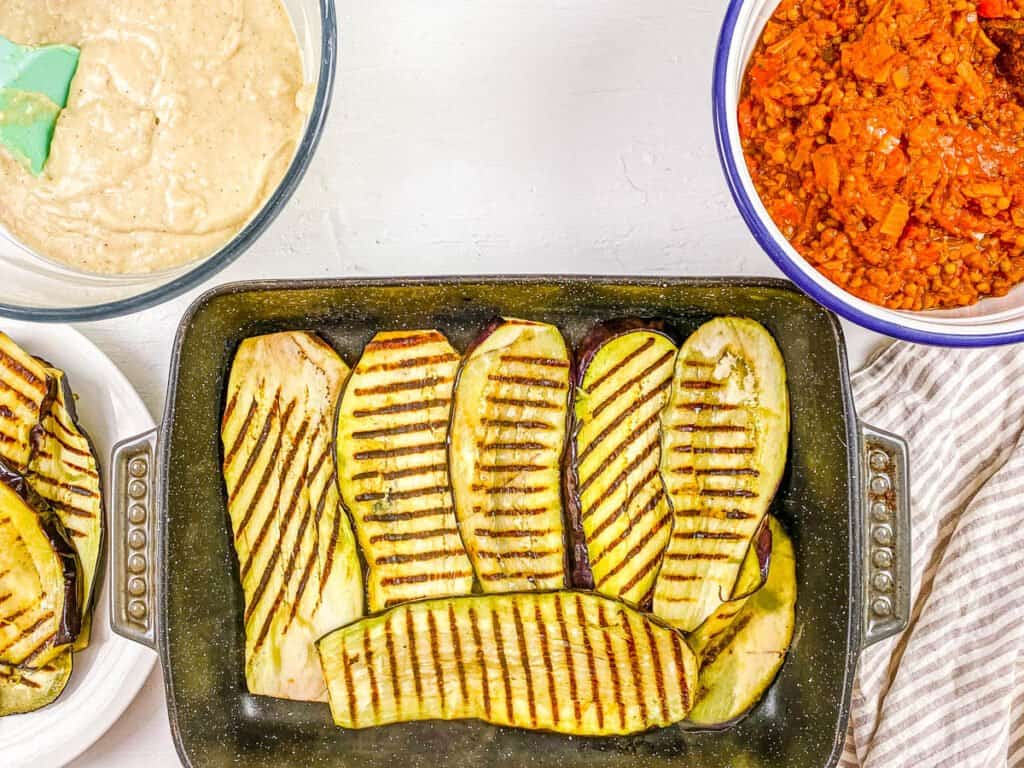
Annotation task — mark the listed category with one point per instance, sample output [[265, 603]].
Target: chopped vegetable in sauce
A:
[[886, 140]]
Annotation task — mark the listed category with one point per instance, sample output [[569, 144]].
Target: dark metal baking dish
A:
[[176, 583]]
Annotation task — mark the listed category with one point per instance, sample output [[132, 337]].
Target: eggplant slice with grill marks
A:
[[571, 662], [505, 448], [63, 470], [615, 493], [40, 585], [739, 665], [24, 689], [393, 467], [297, 555], [724, 441], [26, 391]]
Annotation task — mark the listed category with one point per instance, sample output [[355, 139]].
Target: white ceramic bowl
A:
[[39, 289], [989, 322]]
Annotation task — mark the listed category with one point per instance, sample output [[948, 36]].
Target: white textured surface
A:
[[509, 136]]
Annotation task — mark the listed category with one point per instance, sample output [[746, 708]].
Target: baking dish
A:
[[175, 581]]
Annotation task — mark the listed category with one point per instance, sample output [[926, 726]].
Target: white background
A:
[[506, 136]]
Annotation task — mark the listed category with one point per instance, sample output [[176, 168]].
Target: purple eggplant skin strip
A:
[[580, 573]]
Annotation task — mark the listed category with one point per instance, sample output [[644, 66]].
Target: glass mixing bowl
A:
[[38, 289]]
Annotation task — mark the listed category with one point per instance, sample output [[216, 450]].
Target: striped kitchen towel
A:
[[950, 690]]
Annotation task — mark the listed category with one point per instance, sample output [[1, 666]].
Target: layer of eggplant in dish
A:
[[51, 531], [572, 541]]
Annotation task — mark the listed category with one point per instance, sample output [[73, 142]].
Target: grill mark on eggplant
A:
[[410, 643], [477, 641], [412, 493], [711, 535], [400, 429], [513, 446], [545, 653], [678, 599], [419, 578], [640, 573], [591, 663], [397, 517], [5, 597], [687, 556], [526, 554], [659, 675], [621, 509], [398, 474], [77, 490], [505, 468], [418, 405], [728, 493], [13, 617], [333, 543], [732, 450], [514, 424], [625, 387], [418, 557], [614, 454], [684, 688], [46, 642], [403, 386], [637, 548], [700, 384], [679, 577], [570, 661], [518, 402], [413, 535], [68, 508], [512, 534], [460, 670], [27, 632], [543, 362], [68, 446], [526, 512], [645, 454], [436, 658], [272, 414], [709, 428], [229, 409], [519, 575], [524, 659], [42, 453], [511, 490], [527, 381], [404, 342], [620, 364], [19, 396], [261, 486], [716, 471], [715, 514], [422, 361], [392, 453], [389, 642], [349, 688], [699, 407], [499, 645], [372, 674], [617, 421], [613, 666], [24, 373]]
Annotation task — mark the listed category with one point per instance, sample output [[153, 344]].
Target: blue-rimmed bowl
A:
[[35, 288], [989, 322]]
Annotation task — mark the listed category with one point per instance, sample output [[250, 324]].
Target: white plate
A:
[[108, 674]]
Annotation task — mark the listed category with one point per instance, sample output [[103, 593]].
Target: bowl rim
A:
[[248, 235], [727, 155]]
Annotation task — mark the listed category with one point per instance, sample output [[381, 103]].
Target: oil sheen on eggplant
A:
[[724, 442], [40, 584], [738, 665], [572, 662], [393, 468], [615, 493], [63, 470], [297, 555], [505, 448]]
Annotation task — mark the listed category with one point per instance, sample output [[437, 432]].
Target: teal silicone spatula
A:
[[34, 86]]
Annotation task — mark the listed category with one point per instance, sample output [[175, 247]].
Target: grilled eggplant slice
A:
[[25, 395], [40, 586], [615, 492], [739, 665], [24, 690], [506, 443], [63, 470], [392, 464], [572, 662], [297, 555], [724, 441]]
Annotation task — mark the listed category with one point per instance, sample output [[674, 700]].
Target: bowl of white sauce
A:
[[187, 129]]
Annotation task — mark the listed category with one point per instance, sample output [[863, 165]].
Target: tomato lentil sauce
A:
[[888, 147]]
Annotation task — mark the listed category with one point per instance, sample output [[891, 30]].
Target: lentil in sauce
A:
[[888, 146]]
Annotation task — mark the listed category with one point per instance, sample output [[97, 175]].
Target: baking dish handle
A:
[[886, 509], [134, 531]]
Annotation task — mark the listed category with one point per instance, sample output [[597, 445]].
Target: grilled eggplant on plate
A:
[[63, 470], [572, 662], [25, 394], [393, 467], [40, 587], [505, 449], [297, 555], [26, 689], [739, 664], [615, 493], [724, 442]]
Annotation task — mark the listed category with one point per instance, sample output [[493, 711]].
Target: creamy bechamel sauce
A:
[[182, 120]]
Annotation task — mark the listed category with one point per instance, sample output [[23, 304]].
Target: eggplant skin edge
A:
[[580, 573], [48, 684]]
